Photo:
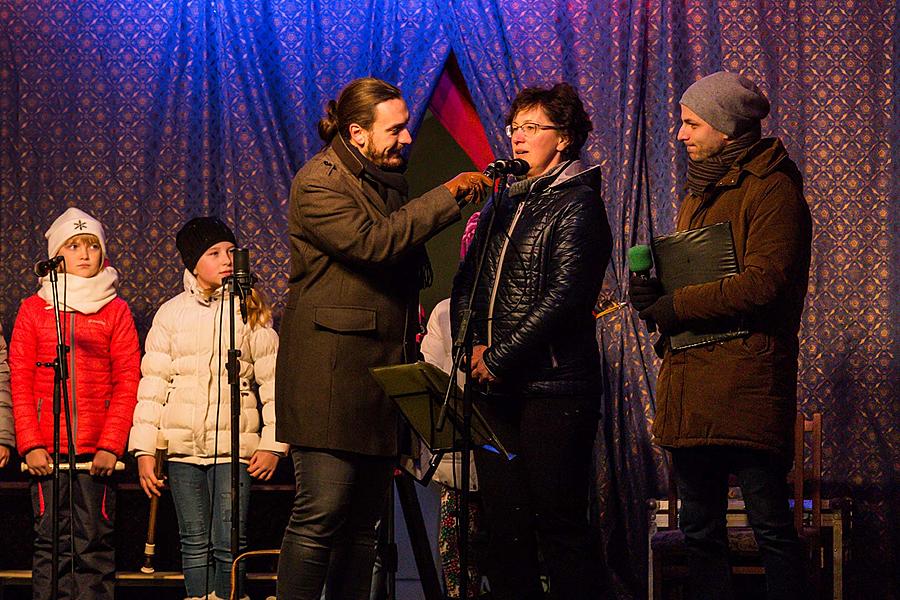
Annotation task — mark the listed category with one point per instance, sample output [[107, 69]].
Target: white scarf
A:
[[86, 295]]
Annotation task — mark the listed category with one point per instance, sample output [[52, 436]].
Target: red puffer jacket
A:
[[104, 369]]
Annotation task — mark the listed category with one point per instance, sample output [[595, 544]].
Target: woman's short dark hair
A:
[[565, 109], [355, 104]]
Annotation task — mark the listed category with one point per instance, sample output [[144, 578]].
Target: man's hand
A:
[[4, 456], [262, 465], [480, 372], [643, 291], [662, 312], [103, 464], [468, 187], [147, 475], [38, 462]]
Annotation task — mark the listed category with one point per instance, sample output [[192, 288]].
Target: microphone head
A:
[[240, 260], [518, 166], [42, 268], [507, 166], [640, 259]]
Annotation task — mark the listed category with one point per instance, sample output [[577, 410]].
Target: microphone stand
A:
[[240, 283], [60, 401], [462, 351], [234, 381]]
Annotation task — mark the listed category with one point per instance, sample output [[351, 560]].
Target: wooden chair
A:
[[667, 552]]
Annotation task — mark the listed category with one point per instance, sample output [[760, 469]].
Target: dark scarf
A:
[[391, 186], [703, 173], [393, 189]]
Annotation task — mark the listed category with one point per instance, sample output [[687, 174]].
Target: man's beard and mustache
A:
[[388, 159]]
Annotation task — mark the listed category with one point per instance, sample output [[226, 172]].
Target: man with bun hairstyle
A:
[[358, 262], [729, 407]]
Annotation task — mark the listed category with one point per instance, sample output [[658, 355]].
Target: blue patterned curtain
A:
[[827, 70], [146, 113]]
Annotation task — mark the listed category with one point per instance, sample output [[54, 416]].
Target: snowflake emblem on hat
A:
[[79, 225]]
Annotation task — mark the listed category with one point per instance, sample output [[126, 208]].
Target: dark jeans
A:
[[331, 532], [701, 475], [94, 503], [538, 501]]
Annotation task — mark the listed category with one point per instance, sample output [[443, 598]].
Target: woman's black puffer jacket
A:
[[544, 266]]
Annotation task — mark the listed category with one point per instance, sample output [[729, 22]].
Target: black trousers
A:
[[94, 504], [701, 475], [331, 533], [538, 501]]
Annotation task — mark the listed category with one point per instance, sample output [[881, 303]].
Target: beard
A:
[[388, 159]]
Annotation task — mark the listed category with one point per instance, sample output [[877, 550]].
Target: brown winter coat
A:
[[742, 392], [353, 301]]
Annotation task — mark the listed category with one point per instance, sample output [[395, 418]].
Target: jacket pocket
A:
[[757, 343], [344, 319]]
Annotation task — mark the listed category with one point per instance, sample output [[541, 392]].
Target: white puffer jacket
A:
[[184, 382]]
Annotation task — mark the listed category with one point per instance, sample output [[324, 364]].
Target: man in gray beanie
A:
[[729, 407]]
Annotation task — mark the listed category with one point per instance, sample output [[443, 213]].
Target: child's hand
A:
[[104, 463], [4, 456], [262, 465], [146, 468], [38, 462]]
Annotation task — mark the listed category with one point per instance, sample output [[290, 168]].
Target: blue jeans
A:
[[701, 475], [202, 496]]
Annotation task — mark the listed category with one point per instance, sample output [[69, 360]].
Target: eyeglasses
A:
[[529, 129]]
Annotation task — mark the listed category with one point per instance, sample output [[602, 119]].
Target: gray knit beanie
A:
[[728, 101]]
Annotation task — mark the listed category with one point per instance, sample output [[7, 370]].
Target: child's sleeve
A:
[[125, 371], [156, 372], [7, 426], [264, 349], [22, 368]]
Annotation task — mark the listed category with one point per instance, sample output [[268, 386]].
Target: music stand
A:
[[418, 391]]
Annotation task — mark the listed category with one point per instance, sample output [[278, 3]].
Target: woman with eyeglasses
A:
[[535, 360]]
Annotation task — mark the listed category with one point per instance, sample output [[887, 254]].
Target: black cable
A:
[[69, 429], [210, 550]]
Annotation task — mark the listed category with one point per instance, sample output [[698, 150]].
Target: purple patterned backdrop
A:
[[147, 112]]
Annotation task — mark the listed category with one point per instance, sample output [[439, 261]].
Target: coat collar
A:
[[192, 286], [761, 160], [373, 180], [568, 173]]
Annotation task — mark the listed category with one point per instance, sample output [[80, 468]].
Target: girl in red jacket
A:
[[104, 369]]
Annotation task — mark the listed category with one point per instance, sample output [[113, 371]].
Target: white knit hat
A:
[[69, 224]]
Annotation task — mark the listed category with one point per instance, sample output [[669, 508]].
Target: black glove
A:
[[643, 291], [662, 312]]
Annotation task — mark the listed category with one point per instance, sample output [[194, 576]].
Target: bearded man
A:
[[357, 264]]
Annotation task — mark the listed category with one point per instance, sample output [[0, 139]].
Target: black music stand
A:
[[418, 391]]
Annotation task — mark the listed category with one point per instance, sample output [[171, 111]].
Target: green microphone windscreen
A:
[[639, 259]]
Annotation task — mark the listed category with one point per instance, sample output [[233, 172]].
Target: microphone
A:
[[45, 266], [640, 261], [240, 258], [507, 166]]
